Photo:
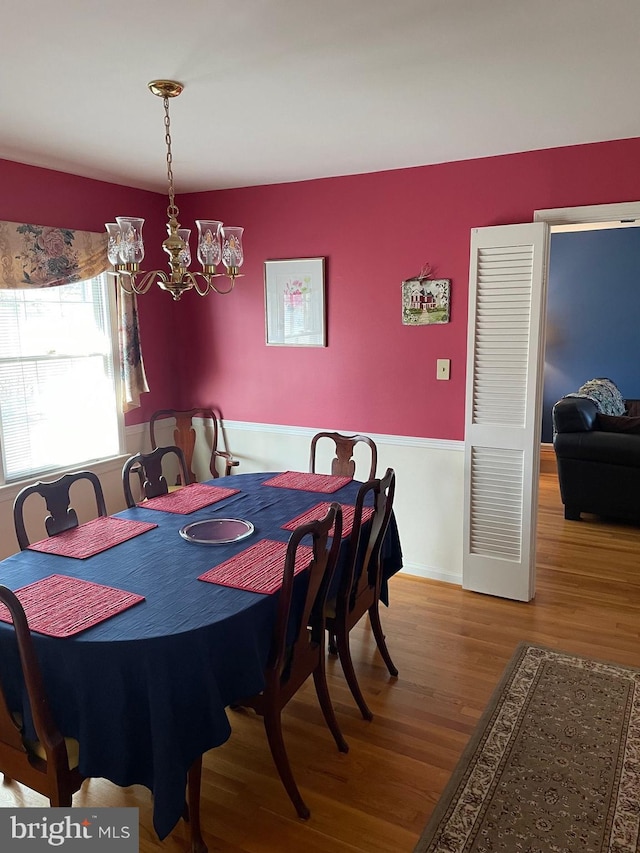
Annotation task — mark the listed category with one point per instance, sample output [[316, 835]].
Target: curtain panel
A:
[[35, 256]]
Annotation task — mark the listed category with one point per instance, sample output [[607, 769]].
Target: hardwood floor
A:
[[450, 647]]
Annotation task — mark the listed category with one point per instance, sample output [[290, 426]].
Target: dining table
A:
[[145, 692]]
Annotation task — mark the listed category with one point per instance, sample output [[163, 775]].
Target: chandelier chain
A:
[[172, 210]]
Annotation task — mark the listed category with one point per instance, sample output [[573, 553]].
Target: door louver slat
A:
[[496, 503], [501, 335]]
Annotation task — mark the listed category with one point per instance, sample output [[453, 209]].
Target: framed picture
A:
[[425, 301], [294, 302]]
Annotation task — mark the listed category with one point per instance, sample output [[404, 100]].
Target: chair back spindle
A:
[[344, 465], [310, 621], [184, 436], [361, 581], [148, 467], [298, 644], [56, 495]]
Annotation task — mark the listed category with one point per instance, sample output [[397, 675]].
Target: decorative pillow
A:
[[618, 423]]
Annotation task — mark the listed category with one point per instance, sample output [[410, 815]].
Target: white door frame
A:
[[622, 213]]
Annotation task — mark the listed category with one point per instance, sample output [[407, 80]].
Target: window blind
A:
[[58, 402]]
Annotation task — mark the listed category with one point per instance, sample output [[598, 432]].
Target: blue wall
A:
[[593, 314]]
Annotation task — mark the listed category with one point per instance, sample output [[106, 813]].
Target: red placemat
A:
[[189, 498], [258, 568], [92, 537], [320, 510], [308, 482], [60, 606]]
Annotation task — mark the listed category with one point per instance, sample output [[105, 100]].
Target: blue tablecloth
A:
[[145, 692]]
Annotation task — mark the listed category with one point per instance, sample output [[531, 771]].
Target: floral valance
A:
[[41, 256]]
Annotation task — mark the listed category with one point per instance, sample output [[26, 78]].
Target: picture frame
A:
[[426, 301], [294, 302]]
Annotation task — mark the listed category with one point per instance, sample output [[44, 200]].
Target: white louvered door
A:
[[505, 356]]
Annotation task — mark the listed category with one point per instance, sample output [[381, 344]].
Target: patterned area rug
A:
[[553, 766]]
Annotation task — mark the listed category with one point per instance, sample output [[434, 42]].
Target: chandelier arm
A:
[[151, 277], [120, 282], [212, 286], [161, 274], [145, 280], [195, 280]]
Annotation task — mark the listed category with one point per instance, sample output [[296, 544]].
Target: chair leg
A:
[[61, 799], [322, 690], [374, 618], [273, 728], [333, 643], [344, 651], [193, 798]]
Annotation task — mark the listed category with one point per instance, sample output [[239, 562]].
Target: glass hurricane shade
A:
[[209, 250], [232, 255], [131, 244], [185, 254], [215, 243], [113, 242]]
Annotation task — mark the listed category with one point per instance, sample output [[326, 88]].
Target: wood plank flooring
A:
[[450, 647]]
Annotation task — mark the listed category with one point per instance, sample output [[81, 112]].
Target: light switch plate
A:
[[443, 366]]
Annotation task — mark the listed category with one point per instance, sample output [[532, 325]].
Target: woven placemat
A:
[[93, 537], [320, 510], [308, 482], [60, 606], [258, 568], [189, 498]]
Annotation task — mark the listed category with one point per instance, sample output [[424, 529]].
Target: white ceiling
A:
[[284, 90]]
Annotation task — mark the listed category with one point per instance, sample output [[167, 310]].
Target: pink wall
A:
[[374, 230]]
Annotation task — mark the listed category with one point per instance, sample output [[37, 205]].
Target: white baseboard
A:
[[431, 573]]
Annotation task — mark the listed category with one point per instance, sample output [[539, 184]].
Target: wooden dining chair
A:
[[361, 580], [148, 468], [184, 436], [49, 764], [344, 465], [61, 516], [294, 656]]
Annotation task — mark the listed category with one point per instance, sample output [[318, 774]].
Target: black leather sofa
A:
[[598, 460]]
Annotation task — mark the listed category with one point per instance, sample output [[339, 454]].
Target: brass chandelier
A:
[[216, 243]]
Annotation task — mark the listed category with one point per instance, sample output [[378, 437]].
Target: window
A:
[[58, 399]]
